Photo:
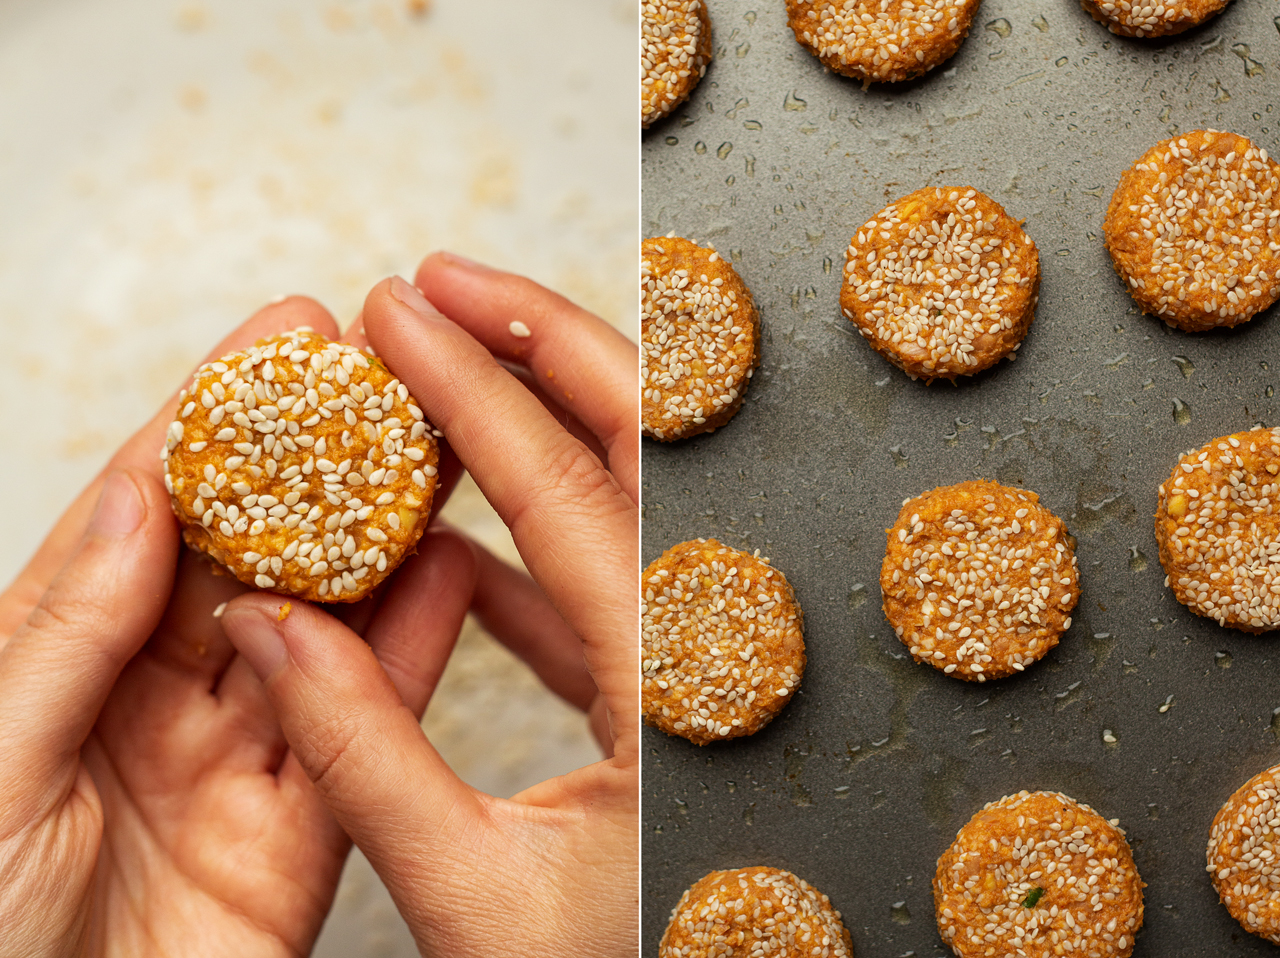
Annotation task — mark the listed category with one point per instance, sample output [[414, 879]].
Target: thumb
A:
[[58, 668], [355, 738]]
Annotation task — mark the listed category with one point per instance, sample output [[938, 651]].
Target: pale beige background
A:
[[166, 167]]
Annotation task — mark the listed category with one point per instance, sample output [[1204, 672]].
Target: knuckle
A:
[[323, 753], [573, 479]]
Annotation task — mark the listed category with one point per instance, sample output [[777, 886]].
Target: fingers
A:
[[351, 732], [189, 639], [56, 671], [575, 527], [421, 615], [517, 613], [589, 367], [142, 452]]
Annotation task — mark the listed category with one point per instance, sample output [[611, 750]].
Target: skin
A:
[[179, 784]]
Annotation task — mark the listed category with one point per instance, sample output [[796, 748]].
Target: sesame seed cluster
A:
[[675, 48], [1194, 230], [1089, 898], [755, 913], [1219, 532], [302, 466], [881, 40], [699, 339], [1151, 18], [942, 283], [721, 643], [978, 579], [1242, 851]]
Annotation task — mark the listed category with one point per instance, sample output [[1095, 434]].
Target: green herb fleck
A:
[[1033, 896]]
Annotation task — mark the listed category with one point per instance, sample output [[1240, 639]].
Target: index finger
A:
[[582, 362], [575, 526], [142, 451]]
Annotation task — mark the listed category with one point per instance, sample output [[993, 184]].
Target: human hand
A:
[[555, 449], [148, 802]]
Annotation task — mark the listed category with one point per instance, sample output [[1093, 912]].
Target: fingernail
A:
[[256, 637], [456, 260], [120, 508], [412, 298]]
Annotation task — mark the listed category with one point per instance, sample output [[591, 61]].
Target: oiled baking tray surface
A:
[[863, 780]]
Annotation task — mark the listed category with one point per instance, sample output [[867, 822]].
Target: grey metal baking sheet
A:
[[863, 780]]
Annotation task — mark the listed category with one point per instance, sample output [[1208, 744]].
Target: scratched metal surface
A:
[[864, 779]]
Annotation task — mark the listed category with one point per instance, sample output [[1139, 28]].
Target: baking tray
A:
[[861, 782]]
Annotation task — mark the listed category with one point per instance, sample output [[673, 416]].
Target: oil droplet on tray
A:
[[1252, 67], [1137, 561], [1181, 412], [1185, 365], [857, 596], [899, 457], [1222, 660], [899, 913], [1040, 23], [724, 150], [794, 103], [1269, 391], [1001, 26]]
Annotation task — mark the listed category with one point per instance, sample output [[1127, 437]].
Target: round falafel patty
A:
[[1038, 875], [1219, 533], [1151, 18], [1243, 845], [978, 579], [301, 466], [881, 40], [699, 339], [722, 647], [754, 913], [942, 283], [1193, 230], [675, 48]]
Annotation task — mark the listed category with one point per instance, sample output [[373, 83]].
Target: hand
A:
[[554, 446], [148, 802]]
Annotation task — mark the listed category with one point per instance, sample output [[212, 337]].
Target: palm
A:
[[206, 820]]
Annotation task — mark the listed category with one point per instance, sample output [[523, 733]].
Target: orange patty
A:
[[1244, 843], [1038, 875], [978, 579], [942, 283], [301, 466], [1194, 230], [1219, 533], [754, 913], [1151, 19], [722, 647], [675, 48], [699, 339], [881, 40]]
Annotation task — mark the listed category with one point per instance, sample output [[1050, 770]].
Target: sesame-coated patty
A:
[[721, 645], [881, 40], [1244, 843], [754, 913], [302, 466], [699, 339], [1151, 18], [1219, 531], [942, 283], [1194, 230], [978, 579], [1038, 875], [675, 48]]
